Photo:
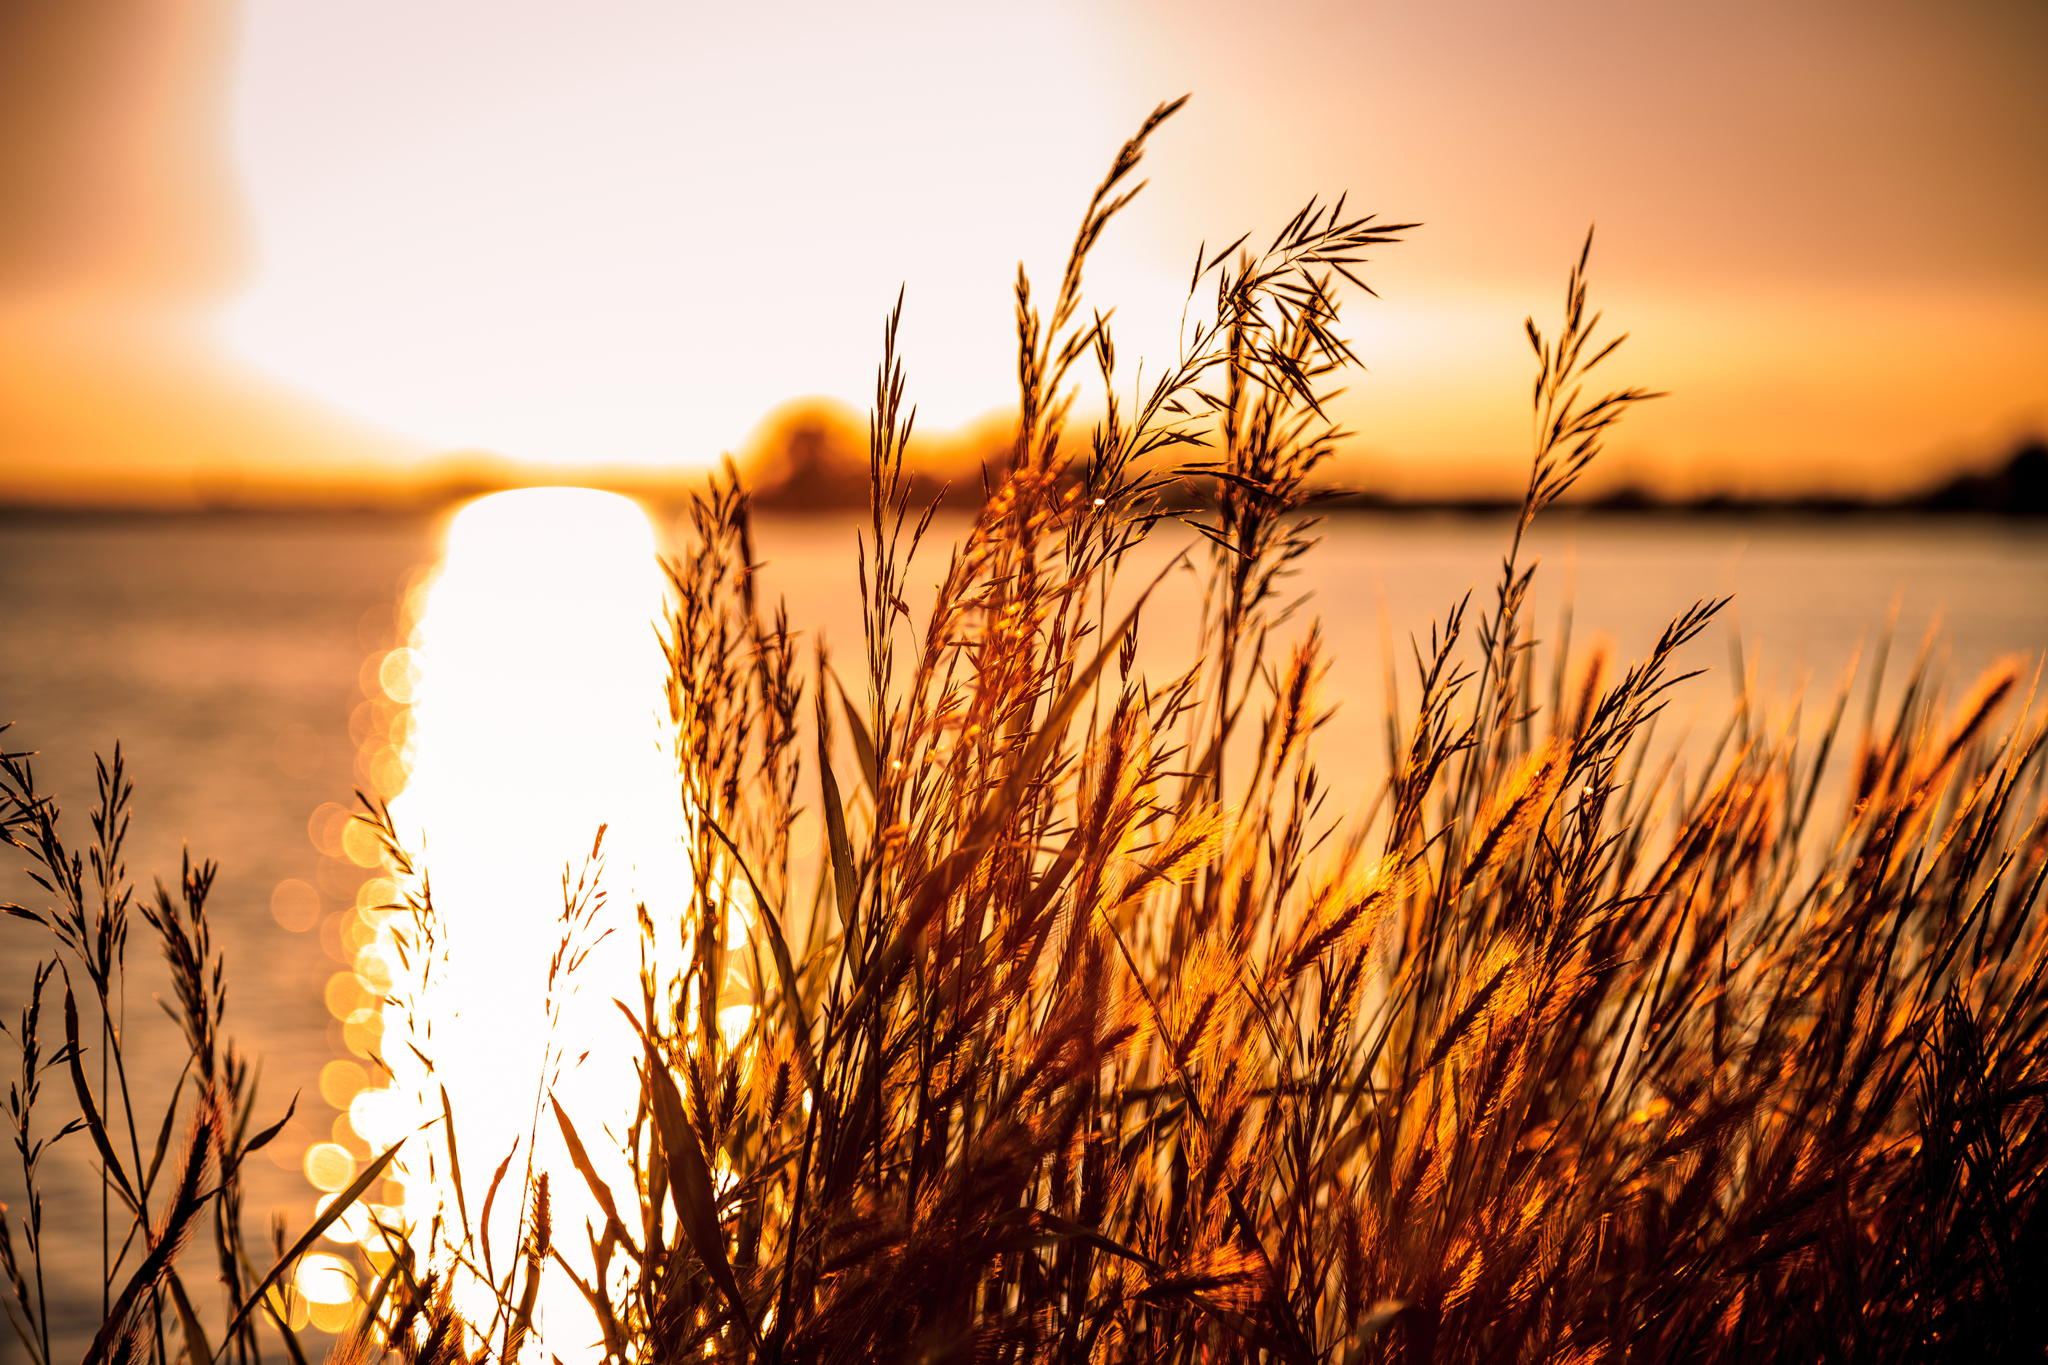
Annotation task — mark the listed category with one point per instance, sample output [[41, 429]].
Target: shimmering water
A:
[[228, 655]]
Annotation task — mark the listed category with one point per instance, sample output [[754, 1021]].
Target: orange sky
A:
[[308, 239]]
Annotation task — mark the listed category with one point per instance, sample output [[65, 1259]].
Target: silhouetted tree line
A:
[[819, 469]]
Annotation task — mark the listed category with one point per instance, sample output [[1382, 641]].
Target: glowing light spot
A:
[[347, 1138], [359, 843], [363, 1032], [386, 771], [377, 896], [331, 1317], [327, 1284], [374, 964], [339, 1082], [379, 1115], [289, 1305], [329, 1166], [399, 675], [345, 995], [350, 1226], [324, 828], [357, 934]]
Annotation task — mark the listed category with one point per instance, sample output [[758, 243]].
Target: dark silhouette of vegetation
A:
[[2017, 488]]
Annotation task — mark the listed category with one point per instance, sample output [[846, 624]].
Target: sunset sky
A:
[[307, 241]]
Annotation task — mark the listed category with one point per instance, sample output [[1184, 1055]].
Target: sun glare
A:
[[621, 235], [532, 717]]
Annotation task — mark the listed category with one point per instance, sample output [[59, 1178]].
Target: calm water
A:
[[225, 654]]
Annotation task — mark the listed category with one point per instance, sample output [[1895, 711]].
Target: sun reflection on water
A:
[[528, 713]]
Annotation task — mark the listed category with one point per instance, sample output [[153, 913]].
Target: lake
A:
[[230, 656]]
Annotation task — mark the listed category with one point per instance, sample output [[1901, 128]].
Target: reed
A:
[[1098, 1030]]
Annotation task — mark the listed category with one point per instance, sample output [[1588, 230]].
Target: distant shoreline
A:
[[2015, 491], [1342, 507]]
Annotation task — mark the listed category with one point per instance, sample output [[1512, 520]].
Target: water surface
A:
[[227, 654]]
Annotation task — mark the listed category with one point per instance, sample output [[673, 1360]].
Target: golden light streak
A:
[[533, 715]]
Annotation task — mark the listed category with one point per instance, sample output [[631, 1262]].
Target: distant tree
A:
[[814, 467], [2018, 488]]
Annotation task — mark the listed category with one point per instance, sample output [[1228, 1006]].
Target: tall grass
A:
[[179, 1276], [1105, 1028]]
